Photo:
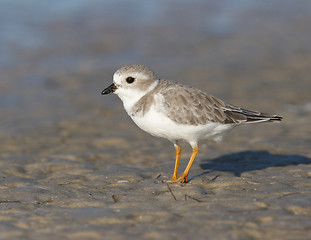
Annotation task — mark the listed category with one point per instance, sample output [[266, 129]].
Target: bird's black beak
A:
[[109, 89]]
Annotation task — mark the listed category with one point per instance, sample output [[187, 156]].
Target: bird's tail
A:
[[255, 117]]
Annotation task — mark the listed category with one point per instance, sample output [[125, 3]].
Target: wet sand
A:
[[74, 166]]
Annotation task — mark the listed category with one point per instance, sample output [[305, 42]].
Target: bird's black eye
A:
[[130, 80]]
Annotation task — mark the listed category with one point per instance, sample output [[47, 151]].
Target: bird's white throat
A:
[[130, 96]]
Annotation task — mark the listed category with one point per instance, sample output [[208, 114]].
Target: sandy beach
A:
[[74, 166]]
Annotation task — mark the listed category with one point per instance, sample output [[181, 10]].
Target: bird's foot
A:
[[173, 179], [182, 179]]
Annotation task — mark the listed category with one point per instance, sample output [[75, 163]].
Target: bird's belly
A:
[[159, 125]]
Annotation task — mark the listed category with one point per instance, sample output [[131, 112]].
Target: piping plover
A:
[[177, 112]]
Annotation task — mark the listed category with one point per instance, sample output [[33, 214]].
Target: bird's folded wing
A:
[[191, 106]]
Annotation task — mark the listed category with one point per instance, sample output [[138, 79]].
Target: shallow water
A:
[[74, 166]]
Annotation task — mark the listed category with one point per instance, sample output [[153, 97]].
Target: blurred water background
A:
[[73, 165]]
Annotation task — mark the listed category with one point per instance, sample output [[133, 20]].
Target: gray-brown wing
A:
[[191, 106]]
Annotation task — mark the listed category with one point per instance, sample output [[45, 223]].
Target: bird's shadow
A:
[[240, 162]]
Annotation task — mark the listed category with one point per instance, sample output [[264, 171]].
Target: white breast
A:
[[159, 125]]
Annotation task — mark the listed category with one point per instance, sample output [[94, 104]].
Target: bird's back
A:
[[190, 106]]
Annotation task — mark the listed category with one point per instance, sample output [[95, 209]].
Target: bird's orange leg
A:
[[178, 154], [184, 177]]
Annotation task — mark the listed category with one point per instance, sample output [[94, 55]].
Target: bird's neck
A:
[[129, 99]]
